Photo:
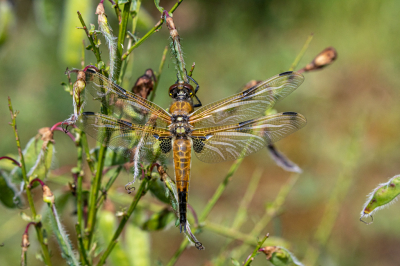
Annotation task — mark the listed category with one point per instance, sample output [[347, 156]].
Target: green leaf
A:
[[112, 158], [138, 246], [8, 191], [157, 3], [107, 225], [122, 2], [235, 262], [159, 220], [38, 160], [89, 47], [158, 189], [381, 196]]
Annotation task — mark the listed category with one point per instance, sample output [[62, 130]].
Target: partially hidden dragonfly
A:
[[224, 130]]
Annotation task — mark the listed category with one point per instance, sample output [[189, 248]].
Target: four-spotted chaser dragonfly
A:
[[224, 130]]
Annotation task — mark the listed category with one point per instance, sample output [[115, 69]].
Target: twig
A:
[[140, 192], [250, 259], [95, 49], [11, 159], [300, 55], [38, 226], [150, 32]]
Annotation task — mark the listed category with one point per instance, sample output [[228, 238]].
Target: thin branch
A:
[[150, 32], [140, 192], [38, 226], [95, 49]]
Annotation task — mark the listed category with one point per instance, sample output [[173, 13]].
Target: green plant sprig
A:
[[38, 226]]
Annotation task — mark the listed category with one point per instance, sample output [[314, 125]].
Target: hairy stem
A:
[[38, 226]]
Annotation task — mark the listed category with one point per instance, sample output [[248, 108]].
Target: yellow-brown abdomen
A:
[[182, 149]]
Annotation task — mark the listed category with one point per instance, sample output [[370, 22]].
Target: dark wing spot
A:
[[87, 113], [289, 113], [246, 122], [285, 73], [125, 123], [90, 70], [198, 144], [165, 144]]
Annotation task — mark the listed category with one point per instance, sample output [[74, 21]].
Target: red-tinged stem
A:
[[90, 66], [68, 133], [36, 180], [27, 227], [11, 159]]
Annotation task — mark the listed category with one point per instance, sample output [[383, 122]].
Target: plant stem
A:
[[95, 49], [250, 259], [140, 192], [278, 202], [231, 233], [38, 226], [108, 186], [178, 253], [81, 246], [150, 32], [121, 37], [221, 188], [160, 68], [335, 203], [94, 192], [303, 50]]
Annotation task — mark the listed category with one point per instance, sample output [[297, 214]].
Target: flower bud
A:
[[323, 59], [47, 195]]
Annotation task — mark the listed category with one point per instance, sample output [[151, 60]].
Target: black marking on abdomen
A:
[[182, 202], [289, 113], [285, 73]]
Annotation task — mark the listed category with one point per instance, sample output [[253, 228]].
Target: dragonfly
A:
[[227, 129]]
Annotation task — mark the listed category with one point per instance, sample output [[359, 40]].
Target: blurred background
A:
[[350, 144]]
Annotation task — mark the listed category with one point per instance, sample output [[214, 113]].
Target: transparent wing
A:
[[124, 137], [123, 104], [224, 143], [248, 104]]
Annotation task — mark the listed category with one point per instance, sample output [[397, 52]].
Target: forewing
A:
[[122, 103], [124, 137], [247, 104], [225, 143]]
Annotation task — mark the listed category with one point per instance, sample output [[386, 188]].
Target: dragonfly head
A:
[[181, 91]]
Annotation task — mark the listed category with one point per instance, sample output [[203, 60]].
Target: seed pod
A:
[[382, 196], [79, 90], [324, 58], [48, 196], [280, 256]]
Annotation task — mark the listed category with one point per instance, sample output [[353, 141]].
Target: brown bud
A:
[[100, 9], [323, 59], [47, 136], [268, 251], [162, 172], [144, 84], [47, 195], [25, 242]]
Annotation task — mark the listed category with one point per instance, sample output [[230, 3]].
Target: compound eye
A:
[[189, 88]]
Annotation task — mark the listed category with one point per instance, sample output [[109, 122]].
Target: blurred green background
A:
[[350, 144]]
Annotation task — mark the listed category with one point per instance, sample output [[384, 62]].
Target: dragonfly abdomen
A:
[[182, 149]]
